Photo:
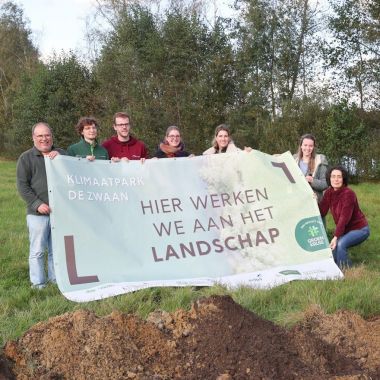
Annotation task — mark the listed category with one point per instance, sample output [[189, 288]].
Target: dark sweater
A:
[[31, 179], [180, 153], [344, 208]]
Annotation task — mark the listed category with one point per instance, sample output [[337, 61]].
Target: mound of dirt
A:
[[216, 339]]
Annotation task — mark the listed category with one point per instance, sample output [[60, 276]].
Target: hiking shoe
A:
[[38, 286]]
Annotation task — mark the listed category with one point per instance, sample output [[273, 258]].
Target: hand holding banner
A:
[[234, 219]]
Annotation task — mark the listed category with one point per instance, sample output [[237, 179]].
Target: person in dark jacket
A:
[[124, 146], [172, 146], [351, 224], [88, 146], [32, 186]]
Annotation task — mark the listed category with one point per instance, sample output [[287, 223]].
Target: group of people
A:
[[329, 185], [123, 146]]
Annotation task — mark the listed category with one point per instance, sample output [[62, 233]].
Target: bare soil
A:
[[217, 339]]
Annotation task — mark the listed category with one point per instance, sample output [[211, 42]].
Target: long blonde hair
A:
[[311, 164]]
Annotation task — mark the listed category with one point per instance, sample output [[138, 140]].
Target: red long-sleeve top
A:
[[133, 149], [344, 208]]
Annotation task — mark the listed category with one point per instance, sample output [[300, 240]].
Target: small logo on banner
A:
[[311, 235], [290, 272]]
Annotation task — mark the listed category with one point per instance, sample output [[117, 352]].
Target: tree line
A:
[[274, 71]]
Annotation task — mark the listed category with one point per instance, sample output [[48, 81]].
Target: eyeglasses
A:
[[40, 137], [88, 127], [174, 136], [122, 125]]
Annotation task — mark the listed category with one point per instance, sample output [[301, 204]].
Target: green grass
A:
[[21, 307]]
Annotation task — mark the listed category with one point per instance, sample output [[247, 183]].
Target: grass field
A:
[[21, 306]]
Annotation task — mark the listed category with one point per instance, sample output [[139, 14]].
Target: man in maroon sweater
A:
[[124, 146], [351, 224]]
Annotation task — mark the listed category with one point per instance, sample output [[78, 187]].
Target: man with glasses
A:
[[124, 146], [32, 186]]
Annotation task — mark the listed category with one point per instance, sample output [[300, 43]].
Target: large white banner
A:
[[233, 219]]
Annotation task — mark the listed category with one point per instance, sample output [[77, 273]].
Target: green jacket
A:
[[31, 179], [84, 149]]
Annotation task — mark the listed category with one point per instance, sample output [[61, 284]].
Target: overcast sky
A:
[[57, 24], [61, 24]]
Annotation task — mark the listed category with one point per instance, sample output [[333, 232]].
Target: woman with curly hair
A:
[[88, 146]]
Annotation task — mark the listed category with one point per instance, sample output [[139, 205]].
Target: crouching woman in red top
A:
[[351, 224]]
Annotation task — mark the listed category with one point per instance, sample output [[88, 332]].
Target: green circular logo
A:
[[311, 235]]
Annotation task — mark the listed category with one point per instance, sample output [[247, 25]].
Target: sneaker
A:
[[38, 286]]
